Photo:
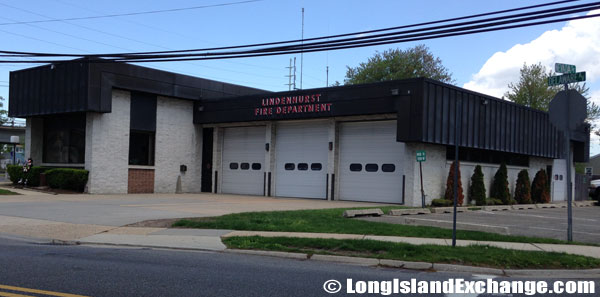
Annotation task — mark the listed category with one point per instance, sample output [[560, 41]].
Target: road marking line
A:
[[6, 294], [35, 291]]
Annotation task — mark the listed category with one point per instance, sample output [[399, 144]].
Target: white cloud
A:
[[576, 43]]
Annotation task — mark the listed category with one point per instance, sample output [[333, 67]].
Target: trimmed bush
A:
[[477, 190], [499, 188], [441, 202], [540, 191], [67, 178], [34, 175], [16, 173], [523, 188], [449, 195], [493, 201]]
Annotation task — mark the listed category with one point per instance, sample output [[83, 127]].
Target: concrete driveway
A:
[[549, 222], [119, 210]]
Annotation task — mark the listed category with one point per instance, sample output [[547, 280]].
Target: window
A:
[[355, 167], [141, 148], [371, 167], [142, 125], [233, 166], [289, 166], [316, 166], [487, 156], [388, 167], [256, 166], [303, 166], [245, 166], [63, 139]]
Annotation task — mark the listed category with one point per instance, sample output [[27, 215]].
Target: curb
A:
[[425, 266]]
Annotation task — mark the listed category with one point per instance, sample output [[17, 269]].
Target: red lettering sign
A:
[[292, 105]]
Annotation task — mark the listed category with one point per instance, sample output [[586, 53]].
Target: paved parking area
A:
[[119, 210], [550, 223]]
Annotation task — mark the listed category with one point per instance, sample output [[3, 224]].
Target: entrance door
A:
[[207, 159]]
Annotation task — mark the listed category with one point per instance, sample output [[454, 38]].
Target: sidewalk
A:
[[208, 239]]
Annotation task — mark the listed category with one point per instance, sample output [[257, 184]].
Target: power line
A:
[[106, 44], [454, 29], [169, 32], [131, 13]]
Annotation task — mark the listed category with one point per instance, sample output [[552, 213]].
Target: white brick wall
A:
[[107, 147], [178, 142], [434, 173], [489, 170], [436, 168]]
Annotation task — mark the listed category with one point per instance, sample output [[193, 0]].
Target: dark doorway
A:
[[207, 154]]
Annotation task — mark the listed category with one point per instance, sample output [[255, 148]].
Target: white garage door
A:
[[301, 160], [370, 164], [243, 160]]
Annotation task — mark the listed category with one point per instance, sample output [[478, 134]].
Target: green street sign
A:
[[421, 156], [564, 68], [566, 78]]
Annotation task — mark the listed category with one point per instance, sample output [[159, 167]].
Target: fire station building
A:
[[141, 130]]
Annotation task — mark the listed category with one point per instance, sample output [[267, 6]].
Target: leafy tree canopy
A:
[[399, 64], [3, 112], [532, 90]]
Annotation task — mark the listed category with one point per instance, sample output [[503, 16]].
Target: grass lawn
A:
[[332, 221], [471, 255], [7, 192]]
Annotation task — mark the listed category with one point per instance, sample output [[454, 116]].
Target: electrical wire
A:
[[346, 34], [130, 13], [440, 31]]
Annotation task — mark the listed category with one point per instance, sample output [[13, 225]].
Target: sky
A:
[[485, 62]]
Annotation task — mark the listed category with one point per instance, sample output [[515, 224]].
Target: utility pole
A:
[[302, 51], [327, 77]]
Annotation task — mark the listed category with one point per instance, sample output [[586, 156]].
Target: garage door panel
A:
[[367, 143], [243, 160], [301, 144]]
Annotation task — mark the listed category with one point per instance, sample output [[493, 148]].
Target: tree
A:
[[3, 113], [499, 188], [399, 64], [449, 195], [477, 190], [532, 90], [523, 188], [540, 192]]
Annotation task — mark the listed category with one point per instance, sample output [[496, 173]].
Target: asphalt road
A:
[[104, 271], [549, 223]]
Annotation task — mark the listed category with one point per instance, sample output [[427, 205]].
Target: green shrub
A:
[[494, 201], [449, 195], [477, 190], [34, 175], [441, 202], [15, 173], [523, 188], [33, 178], [540, 191], [499, 188], [67, 178]]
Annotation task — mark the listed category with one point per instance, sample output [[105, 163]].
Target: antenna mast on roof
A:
[[302, 51]]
